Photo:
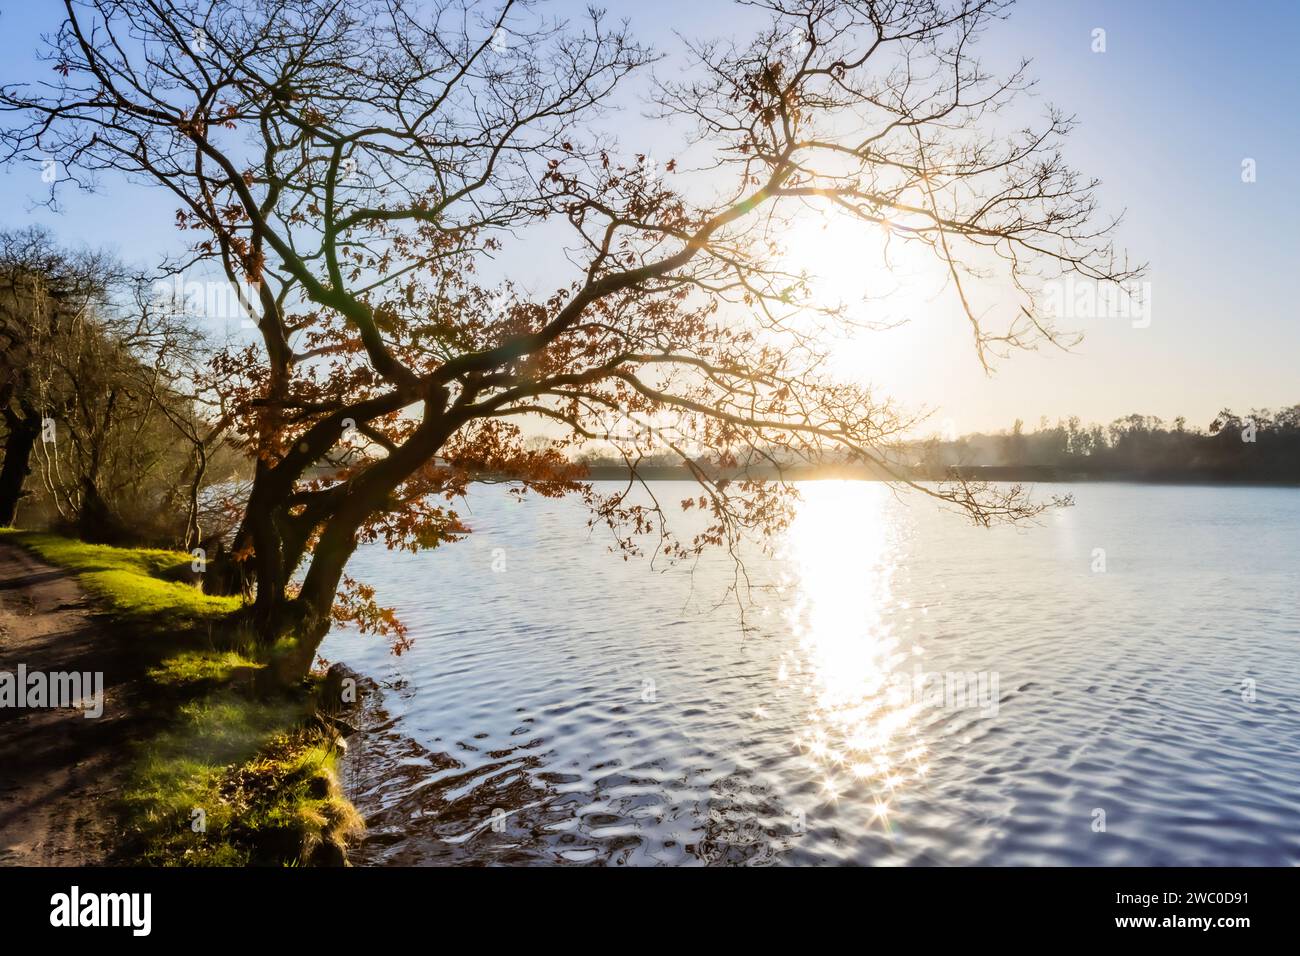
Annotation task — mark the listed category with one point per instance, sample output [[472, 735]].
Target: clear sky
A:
[[1185, 90]]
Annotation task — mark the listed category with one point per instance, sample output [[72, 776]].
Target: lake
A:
[[1117, 685]]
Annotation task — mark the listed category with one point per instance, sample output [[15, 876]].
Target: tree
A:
[[358, 162], [46, 296], [97, 383], [134, 440]]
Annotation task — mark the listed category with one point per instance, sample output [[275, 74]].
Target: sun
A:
[[888, 292]]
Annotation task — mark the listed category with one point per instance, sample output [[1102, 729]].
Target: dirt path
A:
[[60, 772]]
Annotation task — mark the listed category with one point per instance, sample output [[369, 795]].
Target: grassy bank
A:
[[230, 776]]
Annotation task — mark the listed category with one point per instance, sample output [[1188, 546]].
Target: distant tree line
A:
[[1261, 445]]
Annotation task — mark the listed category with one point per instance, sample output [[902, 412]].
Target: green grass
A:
[[237, 782], [193, 668], [257, 773], [142, 586]]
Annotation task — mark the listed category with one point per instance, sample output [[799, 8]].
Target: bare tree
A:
[[46, 295], [100, 377]]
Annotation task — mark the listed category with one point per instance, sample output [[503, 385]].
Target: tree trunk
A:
[[266, 520], [96, 521], [233, 572], [328, 560], [193, 534], [309, 612], [337, 542], [23, 433]]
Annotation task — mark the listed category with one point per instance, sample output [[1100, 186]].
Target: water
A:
[[1129, 676]]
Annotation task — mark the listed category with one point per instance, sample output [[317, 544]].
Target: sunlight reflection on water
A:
[[842, 552], [601, 712]]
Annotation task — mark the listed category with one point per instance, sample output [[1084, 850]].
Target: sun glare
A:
[[889, 291], [843, 548]]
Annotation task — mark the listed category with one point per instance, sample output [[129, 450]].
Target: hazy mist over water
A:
[[913, 690]]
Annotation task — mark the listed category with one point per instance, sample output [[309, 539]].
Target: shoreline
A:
[[997, 473], [1024, 474]]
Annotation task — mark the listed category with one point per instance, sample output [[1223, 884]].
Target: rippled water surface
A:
[[1119, 685]]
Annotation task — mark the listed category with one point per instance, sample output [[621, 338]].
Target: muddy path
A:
[[61, 773]]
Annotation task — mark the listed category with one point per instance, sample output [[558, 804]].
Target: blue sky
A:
[[1184, 92]]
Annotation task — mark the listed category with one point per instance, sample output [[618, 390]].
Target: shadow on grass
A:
[[228, 774]]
